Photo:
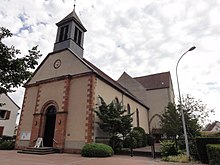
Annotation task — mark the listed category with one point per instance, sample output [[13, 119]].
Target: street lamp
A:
[[181, 110]]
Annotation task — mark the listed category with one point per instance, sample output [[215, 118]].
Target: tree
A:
[[195, 113], [196, 109], [171, 121], [13, 70], [113, 119]]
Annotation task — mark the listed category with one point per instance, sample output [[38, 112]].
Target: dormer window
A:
[[77, 36], [63, 33]]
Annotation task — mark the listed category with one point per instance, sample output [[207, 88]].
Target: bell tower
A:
[[70, 34]]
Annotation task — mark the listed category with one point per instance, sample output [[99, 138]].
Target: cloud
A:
[[139, 37]]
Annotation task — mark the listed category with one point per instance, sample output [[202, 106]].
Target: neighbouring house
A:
[[60, 97], [155, 90], [8, 115], [213, 127]]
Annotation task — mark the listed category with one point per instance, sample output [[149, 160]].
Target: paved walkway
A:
[[14, 158]]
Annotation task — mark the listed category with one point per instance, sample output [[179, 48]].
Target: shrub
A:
[[201, 147], [213, 151], [177, 158], [97, 150], [143, 134], [130, 142], [7, 145], [116, 143], [137, 135], [168, 148]]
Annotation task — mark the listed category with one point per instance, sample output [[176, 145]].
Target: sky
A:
[[140, 37]]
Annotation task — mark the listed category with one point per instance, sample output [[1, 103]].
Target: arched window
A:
[[137, 115], [128, 109], [116, 99]]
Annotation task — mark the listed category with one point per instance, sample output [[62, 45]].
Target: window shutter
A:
[[8, 115]]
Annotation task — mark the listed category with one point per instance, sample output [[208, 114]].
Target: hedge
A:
[[201, 147], [97, 150], [213, 151], [7, 143]]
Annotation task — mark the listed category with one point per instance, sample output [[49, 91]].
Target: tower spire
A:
[[74, 6]]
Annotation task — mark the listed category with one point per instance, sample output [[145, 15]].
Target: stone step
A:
[[39, 151]]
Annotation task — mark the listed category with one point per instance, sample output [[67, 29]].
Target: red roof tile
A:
[[155, 81]]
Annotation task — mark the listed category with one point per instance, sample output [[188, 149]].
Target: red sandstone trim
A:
[[58, 79], [89, 132], [38, 98], [61, 118]]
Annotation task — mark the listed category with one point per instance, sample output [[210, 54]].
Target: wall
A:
[[70, 65], [9, 124], [75, 130], [108, 93], [157, 101], [25, 123]]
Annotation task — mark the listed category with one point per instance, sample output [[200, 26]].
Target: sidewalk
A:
[[14, 158]]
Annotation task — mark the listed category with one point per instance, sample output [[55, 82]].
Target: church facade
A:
[[60, 97]]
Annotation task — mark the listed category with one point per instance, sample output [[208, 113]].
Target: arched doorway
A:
[[49, 126]]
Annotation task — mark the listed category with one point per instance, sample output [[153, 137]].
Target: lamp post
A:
[[180, 100]]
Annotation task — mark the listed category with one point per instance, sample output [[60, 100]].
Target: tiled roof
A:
[[155, 81], [209, 127]]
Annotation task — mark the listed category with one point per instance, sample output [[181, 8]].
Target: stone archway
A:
[[49, 129], [155, 128]]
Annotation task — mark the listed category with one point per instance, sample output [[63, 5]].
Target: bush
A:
[[178, 158], [143, 135], [116, 143], [213, 151], [7, 145], [97, 150], [201, 147], [7, 138], [137, 135], [168, 148], [130, 142]]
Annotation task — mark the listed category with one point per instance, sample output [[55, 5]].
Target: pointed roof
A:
[[72, 17], [133, 86]]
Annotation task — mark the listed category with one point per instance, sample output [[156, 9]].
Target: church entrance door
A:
[[49, 126]]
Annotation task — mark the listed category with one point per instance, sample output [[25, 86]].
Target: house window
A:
[[1, 131], [137, 115], [4, 115], [77, 36], [128, 109], [63, 33]]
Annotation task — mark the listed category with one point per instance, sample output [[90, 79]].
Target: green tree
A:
[[195, 113], [13, 70], [196, 109], [171, 121], [113, 118]]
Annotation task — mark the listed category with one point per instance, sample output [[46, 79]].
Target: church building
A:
[[61, 96]]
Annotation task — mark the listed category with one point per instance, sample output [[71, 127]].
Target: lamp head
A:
[[192, 48]]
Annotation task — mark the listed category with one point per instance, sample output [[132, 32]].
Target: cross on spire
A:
[[74, 6]]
